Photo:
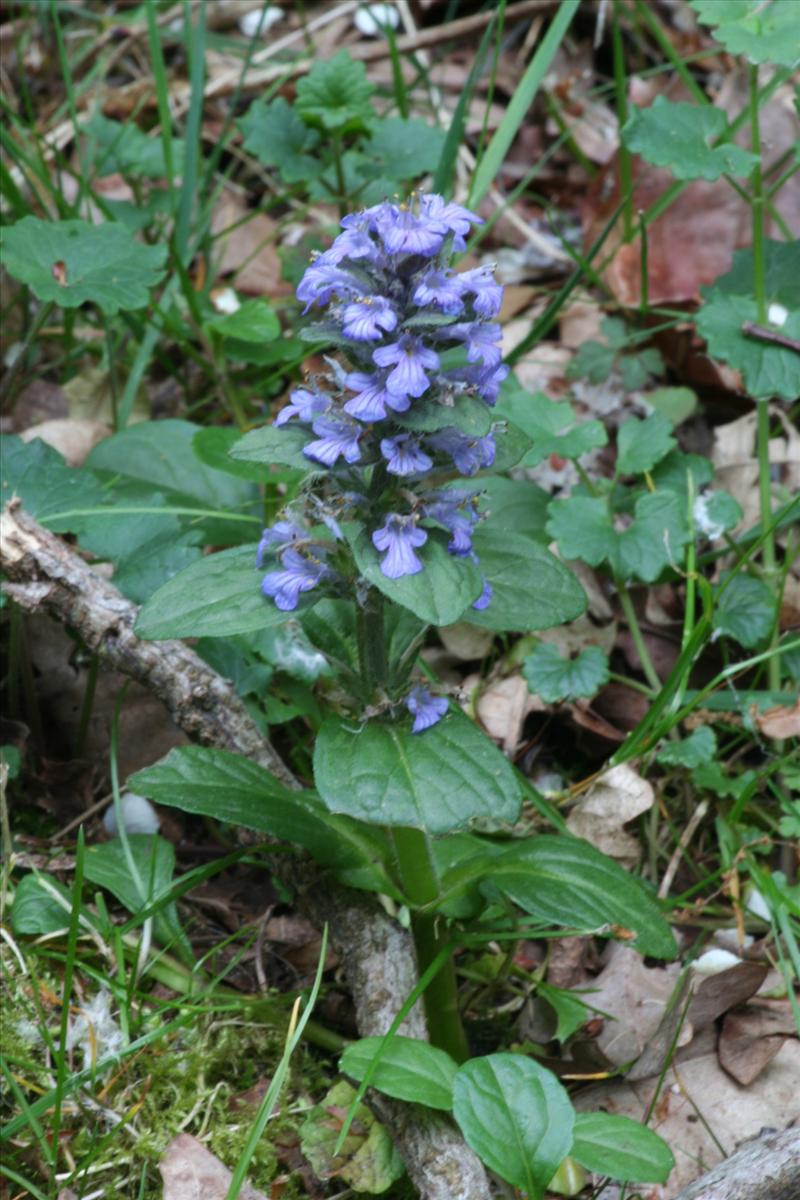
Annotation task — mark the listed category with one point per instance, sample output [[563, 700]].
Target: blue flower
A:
[[480, 339], [402, 231], [424, 708], [458, 513], [468, 454], [486, 292], [300, 574], [442, 288], [323, 279], [454, 217], [303, 404], [399, 536], [373, 396], [485, 598], [404, 456], [355, 242], [277, 537], [412, 358], [367, 319], [336, 435]]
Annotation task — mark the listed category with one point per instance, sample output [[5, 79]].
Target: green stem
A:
[[757, 204], [371, 636], [649, 670], [621, 87], [770, 560], [421, 884]]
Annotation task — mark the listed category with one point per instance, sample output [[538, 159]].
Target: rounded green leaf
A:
[[641, 444], [273, 444], [621, 1148], [762, 32], [215, 597], [555, 678], [407, 1069], [531, 589], [437, 780], [678, 135], [516, 1116], [72, 262], [253, 321]]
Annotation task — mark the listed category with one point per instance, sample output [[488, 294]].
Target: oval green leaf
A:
[[408, 1069], [621, 1148]]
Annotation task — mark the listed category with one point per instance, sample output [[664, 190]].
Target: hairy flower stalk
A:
[[391, 432]]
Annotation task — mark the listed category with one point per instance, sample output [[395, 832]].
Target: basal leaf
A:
[[438, 780], [642, 444], [555, 678], [531, 589], [620, 1148], [273, 444], [763, 32], [139, 881], [680, 135], [335, 94], [45, 484], [516, 1116], [279, 137], [72, 262], [408, 1069], [41, 905], [745, 611]]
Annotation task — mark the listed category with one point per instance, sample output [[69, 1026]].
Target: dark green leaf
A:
[[699, 747], [679, 135], [675, 403], [551, 427], [516, 1116], [764, 33], [335, 94], [273, 444], [213, 445], [620, 1148], [470, 414], [439, 594], [153, 859], [126, 149], [72, 262], [253, 321], [531, 589], [437, 780], [45, 484], [405, 149], [642, 444], [41, 905], [367, 1160], [745, 611], [279, 137], [582, 527], [555, 678], [408, 1069], [593, 361]]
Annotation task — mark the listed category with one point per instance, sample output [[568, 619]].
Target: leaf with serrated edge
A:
[[679, 136]]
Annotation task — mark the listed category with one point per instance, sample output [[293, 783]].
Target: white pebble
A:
[[252, 22], [226, 301], [370, 18], [138, 816], [714, 961], [777, 315]]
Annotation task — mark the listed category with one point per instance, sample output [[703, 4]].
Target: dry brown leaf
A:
[[735, 459], [701, 1086], [90, 396], [635, 997], [39, 401], [466, 642], [190, 1172], [70, 436], [752, 1037], [599, 816], [502, 708], [577, 635], [580, 322], [247, 252], [716, 993], [780, 722]]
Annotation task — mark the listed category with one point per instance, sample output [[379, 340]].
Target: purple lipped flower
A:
[[411, 359], [480, 340], [442, 288], [303, 404], [277, 537], [457, 513], [468, 454], [454, 217], [404, 456], [299, 574], [487, 385], [425, 708], [336, 435], [367, 319], [485, 598], [373, 396], [403, 231], [355, 242], [399, 537], [323, 279], [486, 292]]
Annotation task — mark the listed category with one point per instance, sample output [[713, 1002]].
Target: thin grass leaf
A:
[[444, 178]]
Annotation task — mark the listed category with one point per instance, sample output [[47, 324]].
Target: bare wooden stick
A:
[[767, 1168], [45, 574]]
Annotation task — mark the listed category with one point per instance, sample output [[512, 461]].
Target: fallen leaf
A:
[[716, 993], [752, 1036], [247, 250], [190, 1172], [614, 799], [502, 708], [466, 642], [780, 722], [70, 436], [635, 997], [736, 462]]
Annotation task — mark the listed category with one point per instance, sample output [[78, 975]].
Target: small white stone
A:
[[252, 22], [371, 19], [714, 961], [757, 905], [226, 301], [138, 816], [777, 315]]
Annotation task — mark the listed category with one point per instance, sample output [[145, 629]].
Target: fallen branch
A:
[[47, 575], [767, 1168]]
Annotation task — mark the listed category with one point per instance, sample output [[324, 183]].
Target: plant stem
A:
[[372, 641], [641, 649], [621, 88], [757, 204], [420, 883]]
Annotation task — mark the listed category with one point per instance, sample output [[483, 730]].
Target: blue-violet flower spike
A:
[[299, 575], [367, 320], [412, 358], [399, 536], [335, 436], [303, 404], [424, 708], [404, 456]]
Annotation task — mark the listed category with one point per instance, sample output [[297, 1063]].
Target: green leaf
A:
[[675, 403], [335, 95], [439, 594], [714, 512], [571, 1012], [636, 369], [516, 1116], [143, 567], [41, 905], [213, 445], [437, 780], [470, 414], [72, 262], [531, 589], [107, 866], [555, 678], [367, 1161], [764, 33], [582, 527], [408, 1069], [511, 446], [673, 472], [620, 1148], [514, 505], [699, 747], [219, 595], [641, 444], [551, 427], [566, 881], [45, 484], [273, 444], [279, 137], [593, 361], [745, 611], [253, 321], [768, 370], [679, 136], [126, 149], [227, 787], [405, 149]]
